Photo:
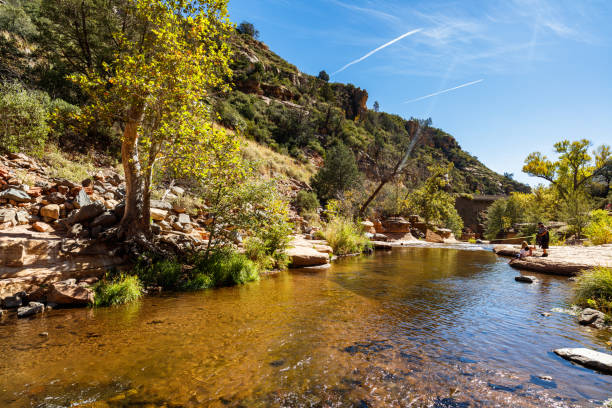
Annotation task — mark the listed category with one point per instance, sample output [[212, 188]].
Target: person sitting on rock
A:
[[526, 251], [543, 237]]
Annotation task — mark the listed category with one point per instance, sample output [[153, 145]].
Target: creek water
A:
[[416, 326]]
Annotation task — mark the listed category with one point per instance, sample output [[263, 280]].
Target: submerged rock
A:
[[525, 279], [587, 358], [31, 309]]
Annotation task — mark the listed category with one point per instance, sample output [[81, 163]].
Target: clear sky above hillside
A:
[[544, 66]]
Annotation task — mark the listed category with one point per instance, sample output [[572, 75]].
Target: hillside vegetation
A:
[[275, 104]]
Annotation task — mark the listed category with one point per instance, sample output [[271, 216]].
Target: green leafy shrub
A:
[[23, 118], [255, 249], [599, 229], [306, 202], [345, 236], [594, 289], [118, 291], [226, 268]]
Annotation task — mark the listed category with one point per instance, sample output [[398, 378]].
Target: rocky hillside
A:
[[302, 115]]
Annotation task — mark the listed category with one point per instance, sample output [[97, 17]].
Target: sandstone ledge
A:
[[562, 260]]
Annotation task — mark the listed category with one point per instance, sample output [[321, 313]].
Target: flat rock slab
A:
[[587, 358], [563, 260]]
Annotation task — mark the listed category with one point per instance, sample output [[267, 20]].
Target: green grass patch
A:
[[594, 289], [221, 268], [345, 236], [118, 291]]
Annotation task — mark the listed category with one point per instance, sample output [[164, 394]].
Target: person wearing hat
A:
[[543, 237]]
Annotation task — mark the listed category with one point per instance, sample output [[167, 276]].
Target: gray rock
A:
[[161, 205], [592, 317], [587, 358], [15, 194], [43, 184], [184, 219], [86, 213], [75, 230], [81, 200], [104, 220], [525, 279], [23, 217], [178, 190], [12, 302], [8, 215], [31, 309]]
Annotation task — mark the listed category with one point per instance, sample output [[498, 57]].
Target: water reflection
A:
[[420, 326]]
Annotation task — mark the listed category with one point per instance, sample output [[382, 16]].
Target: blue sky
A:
[[545, 65]]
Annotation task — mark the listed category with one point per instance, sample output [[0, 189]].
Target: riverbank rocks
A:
[[592, 317], [525, 279], [68, 293], [30, 310], [564, 261], [587, 358]]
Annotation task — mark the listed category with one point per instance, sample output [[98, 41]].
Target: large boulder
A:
[[396, 224], [86, 213], [16, 195], [68, 293], [8, 215], [431, 236], [303, 256], [587, 358]]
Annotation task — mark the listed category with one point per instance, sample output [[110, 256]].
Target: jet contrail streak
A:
[[444, 91], [378, 49]]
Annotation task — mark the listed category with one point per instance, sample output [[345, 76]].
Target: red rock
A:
[[68, 293], [42, 227], [34, 192]]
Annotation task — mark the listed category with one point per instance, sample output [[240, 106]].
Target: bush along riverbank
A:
[[593, 292]]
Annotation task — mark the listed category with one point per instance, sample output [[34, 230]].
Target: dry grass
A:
[[272, 164], [73, 167]]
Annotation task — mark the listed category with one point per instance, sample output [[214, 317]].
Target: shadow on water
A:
[[413, 327]]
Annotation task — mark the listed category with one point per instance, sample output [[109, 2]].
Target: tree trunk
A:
[[136, 218]]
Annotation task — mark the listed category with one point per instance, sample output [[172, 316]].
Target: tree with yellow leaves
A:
[[173, 54], [572, 170]]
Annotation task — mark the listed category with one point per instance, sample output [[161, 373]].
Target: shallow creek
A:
[[412, 327]]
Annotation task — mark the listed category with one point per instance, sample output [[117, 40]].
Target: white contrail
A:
[[444, 91], [378, 49]]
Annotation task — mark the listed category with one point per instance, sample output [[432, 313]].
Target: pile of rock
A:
[[400, 229], [81, 210]]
